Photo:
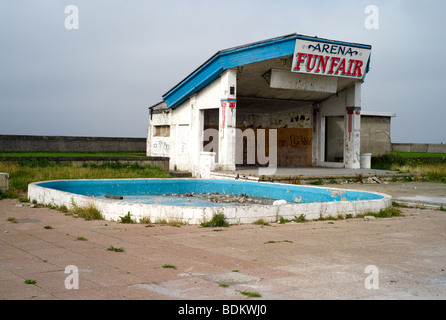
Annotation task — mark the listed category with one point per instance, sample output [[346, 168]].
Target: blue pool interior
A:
[[159, 191]]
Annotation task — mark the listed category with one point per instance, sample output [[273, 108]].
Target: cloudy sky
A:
[[99, 79]]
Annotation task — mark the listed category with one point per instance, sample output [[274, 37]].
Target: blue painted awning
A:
[[235, 57]]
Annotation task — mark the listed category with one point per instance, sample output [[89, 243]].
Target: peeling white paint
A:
[[113, 210]]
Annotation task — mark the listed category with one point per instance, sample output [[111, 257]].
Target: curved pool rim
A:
[[337, 201]]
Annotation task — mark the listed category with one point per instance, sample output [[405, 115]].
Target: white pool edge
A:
[[113, 210]]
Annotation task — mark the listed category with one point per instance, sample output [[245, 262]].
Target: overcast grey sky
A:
[[100, 79]]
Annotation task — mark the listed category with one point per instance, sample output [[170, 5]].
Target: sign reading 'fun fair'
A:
[[330, 59]]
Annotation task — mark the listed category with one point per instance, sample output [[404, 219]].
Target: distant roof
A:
[[378, 114], [159, 106], [238, 56]]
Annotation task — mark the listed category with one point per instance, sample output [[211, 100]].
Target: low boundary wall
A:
[[419, 147], [19, 143], [161, 162]]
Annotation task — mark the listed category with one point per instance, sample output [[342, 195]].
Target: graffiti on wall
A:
[[161, 147]]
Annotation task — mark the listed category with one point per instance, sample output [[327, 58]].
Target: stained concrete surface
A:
[[311, 260]]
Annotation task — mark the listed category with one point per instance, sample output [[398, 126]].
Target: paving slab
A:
[[292, 261]]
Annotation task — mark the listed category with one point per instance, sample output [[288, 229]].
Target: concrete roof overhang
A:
[[254, 62]]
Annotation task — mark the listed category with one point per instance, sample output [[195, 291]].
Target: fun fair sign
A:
[[331, 59]]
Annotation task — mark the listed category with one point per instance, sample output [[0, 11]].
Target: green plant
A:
[[383, 213], [171, 222], [29, 281], [218, 220], [127, 218], [12, 219], [88, 213], [81, 239], [251, 294], [111, 248], [317, 182], [145, 220], [48, 227], [169, 266], [261, 222], [282, 220], [26, 171], [301, 218], [223, 285]]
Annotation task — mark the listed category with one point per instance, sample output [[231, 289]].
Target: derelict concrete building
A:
[[277, 102]]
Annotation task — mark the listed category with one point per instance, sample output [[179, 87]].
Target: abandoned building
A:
[[289, 101]]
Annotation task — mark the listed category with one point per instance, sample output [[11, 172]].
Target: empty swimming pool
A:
[[195, 200]]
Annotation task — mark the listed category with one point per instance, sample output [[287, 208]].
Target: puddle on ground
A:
[[432, 200]]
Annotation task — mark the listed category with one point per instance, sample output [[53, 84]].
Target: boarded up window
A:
[[162, 131]]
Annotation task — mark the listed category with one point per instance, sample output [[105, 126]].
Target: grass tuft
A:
[[111, 248], [251, 294], [127, 218], [218, 220]]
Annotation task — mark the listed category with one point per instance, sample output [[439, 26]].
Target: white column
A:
[[227, 120], [196, 127], [352, 136]]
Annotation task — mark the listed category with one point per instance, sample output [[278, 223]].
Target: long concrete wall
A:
[[22, 143], [419, 147]]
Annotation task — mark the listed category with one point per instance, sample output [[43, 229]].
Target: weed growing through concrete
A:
[[169, 266], [88, 213], [218, 220], [111, 248], [261, 222], [384, 213], [251, 294], [81, 239], [30, 281], [127, 218], [12, 219], [301, 218], [223, 285], [282, 220], [172, 222], [273, 241], [145, 220]]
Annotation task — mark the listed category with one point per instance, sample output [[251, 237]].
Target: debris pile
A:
[[224, 198]]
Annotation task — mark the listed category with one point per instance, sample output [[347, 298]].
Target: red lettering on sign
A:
[[322, 62], [334, 63], [300, 58], [341, 67], [310, 57], [351, 62], [358, 66]]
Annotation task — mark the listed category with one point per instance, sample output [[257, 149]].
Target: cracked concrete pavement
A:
[[311, 260]]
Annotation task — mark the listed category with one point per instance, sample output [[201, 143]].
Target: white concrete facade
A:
[[317, 98]]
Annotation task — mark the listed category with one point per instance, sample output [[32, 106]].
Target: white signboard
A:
[[331, 59]]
